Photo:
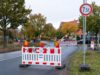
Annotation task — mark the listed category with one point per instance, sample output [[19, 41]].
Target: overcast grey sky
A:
[[57, 11]]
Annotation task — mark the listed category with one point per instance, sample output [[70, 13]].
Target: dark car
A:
[[80, 40]]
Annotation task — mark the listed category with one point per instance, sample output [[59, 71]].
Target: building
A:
[[73, 22]]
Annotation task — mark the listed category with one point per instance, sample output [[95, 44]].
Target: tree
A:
[[34, 26], [93, 21], [49, 30], [59, 34], [68, 28], [12, 14], [38, 21], [28, 30]]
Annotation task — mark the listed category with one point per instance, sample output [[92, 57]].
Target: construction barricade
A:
[[41, 56], [68, 43]]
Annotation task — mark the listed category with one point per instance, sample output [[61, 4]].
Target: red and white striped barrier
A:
[[68, 43], [41, 56]]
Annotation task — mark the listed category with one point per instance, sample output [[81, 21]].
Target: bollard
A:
[[92, 45]]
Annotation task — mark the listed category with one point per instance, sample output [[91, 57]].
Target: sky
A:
[[57, 11]]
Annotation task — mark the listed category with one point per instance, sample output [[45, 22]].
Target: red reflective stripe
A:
[[23, 50], [30, 50], [51, 63], [44, 50], [23, 62], [29, 62], [36, 62], [59, 64], [37, 50], [59, 51], [44, 63], [57, 46], [52, 51]]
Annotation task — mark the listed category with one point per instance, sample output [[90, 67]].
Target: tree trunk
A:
[[4, 39]]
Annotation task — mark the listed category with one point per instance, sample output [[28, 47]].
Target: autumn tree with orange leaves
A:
[[68, 28]]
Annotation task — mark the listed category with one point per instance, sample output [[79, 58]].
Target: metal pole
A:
[[84, 1], [84, 36], [84, 66], [98, 39]]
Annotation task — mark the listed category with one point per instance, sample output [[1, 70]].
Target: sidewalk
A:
[[10, 55]]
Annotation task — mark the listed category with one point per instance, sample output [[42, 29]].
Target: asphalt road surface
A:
[[11, 66]]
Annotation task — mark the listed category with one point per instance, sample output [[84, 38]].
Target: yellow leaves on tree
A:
[[68, 28]]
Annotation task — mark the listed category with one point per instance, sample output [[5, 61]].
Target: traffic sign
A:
[[85, 9]]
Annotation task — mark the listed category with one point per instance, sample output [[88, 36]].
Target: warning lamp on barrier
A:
[[56, 44], [41, 44], [25, 44]]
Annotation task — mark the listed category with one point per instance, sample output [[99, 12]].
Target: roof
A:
[[74, 21]]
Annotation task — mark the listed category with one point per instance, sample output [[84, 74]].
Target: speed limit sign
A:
[[85, 9]]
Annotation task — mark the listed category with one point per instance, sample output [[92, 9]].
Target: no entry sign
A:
[[85, 9]]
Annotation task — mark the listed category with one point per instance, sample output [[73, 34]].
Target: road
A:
[[11, 66]]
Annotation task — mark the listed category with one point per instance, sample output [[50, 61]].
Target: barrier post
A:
[[25, 44]]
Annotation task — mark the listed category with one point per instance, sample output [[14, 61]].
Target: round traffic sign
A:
[[85, 9]]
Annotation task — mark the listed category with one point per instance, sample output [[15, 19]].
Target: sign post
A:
[[85, 10]]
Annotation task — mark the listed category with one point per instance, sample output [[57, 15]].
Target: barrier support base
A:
[[24, 65], [84, 67], [60, 67]]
